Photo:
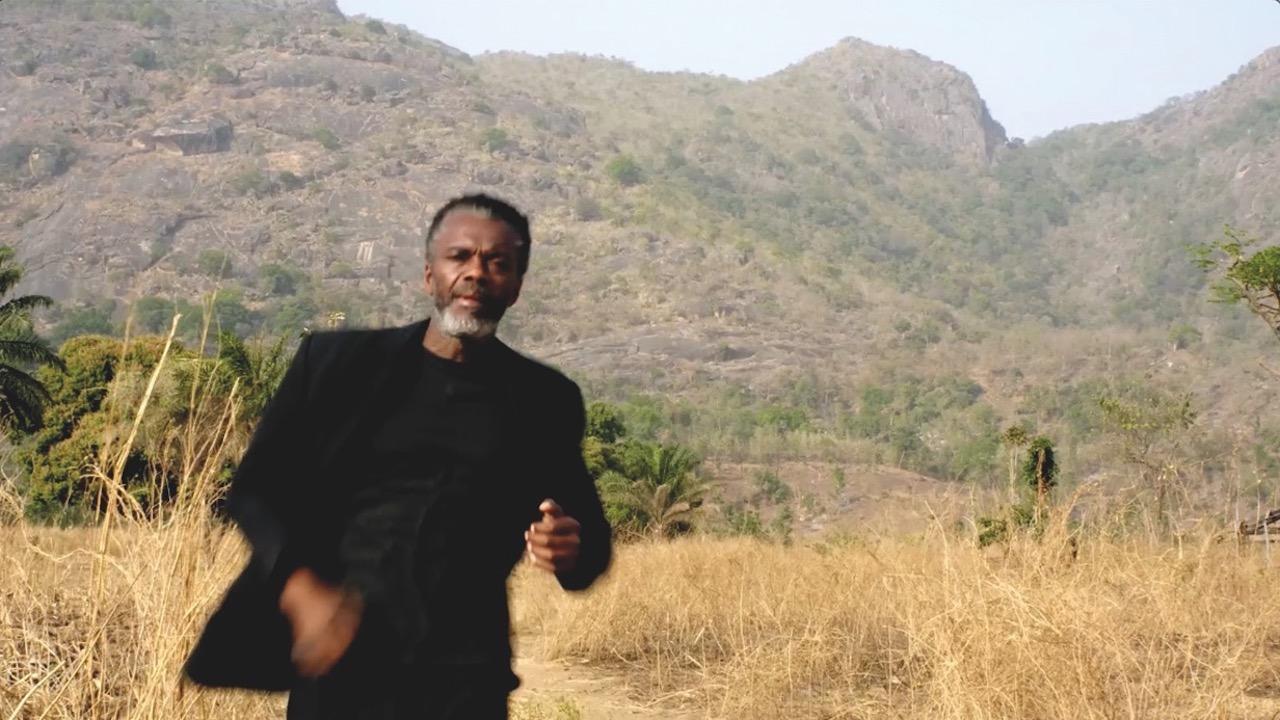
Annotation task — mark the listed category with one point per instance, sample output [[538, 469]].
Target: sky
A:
[[1041, 65]]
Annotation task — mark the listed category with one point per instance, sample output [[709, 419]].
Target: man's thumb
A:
[[551, 508]]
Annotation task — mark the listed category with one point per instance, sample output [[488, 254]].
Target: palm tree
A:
[[22, 397], [661, 489]]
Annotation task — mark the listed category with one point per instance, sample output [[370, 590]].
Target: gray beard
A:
[[459, 325]]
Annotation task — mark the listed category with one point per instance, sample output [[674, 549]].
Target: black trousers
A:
[[364, 685], [431, 692]]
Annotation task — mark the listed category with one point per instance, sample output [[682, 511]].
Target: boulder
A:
[[192, 137]]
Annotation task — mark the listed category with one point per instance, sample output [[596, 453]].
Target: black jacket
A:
[[302, 468]]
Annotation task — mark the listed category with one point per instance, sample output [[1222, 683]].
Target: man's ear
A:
[[428, 279]]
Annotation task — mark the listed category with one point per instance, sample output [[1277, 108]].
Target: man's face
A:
[[472, 273]]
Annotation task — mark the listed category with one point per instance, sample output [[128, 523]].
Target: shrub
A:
[[219, 74], [214, 263], [144, 58], [625, 171], [494, 139], [326, 137]]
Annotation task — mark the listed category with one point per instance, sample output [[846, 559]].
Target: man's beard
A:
[[462, 324]]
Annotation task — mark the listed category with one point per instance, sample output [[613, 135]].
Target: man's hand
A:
[[553, 541], [324, 620]]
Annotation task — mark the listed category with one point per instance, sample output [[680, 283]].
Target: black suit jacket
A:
[[303, 465]]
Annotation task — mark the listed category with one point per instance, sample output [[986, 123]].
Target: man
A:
[[395, 480]]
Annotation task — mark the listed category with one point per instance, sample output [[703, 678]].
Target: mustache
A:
[[476, 291]]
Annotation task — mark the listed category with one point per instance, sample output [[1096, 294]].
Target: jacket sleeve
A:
[[581, 501], [267, 498]]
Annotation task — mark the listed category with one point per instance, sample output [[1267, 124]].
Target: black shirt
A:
[[433, 535]]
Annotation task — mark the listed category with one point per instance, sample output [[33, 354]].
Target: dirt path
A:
[[553, 690]]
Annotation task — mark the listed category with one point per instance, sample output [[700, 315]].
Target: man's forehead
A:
[[468, 226]]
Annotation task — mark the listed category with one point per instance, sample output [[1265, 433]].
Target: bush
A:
[[219, 74], [327, 139], [771, 487], [1184, 336], [368, 92], [494, 139], [290, 181], [144, 58], [625, 171], [18, 165], [88, 320], [214, 263], [375, 27], [150, 16], [743, 521], [252, 182], [276, 279]]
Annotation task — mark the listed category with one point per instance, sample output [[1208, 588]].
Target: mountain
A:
[[757, 259]]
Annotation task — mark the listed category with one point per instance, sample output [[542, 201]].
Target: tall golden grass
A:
[[95, 622], [931, 628]]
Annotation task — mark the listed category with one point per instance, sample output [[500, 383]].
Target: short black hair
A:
[[494, 208]]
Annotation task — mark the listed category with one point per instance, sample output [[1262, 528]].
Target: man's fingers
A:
[[316, 657], [538, 539], [554, 550], [551, 507], [557, 526]]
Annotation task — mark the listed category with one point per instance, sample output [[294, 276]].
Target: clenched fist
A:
[[324, 619], [553, 541]]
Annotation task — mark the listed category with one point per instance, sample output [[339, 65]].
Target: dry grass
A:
[[881, 628], [931, 629]]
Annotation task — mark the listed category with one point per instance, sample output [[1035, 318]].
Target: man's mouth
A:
[[471, 302]]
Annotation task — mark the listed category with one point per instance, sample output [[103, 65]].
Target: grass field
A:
[[929, 627]]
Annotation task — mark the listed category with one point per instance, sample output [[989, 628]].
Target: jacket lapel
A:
[[372, 381]]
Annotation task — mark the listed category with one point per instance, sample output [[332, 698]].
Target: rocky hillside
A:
[[856, 220]]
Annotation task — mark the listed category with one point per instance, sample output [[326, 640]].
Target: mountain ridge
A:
[[858, 217]]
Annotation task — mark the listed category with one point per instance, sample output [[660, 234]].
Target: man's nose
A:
[[476, 270]]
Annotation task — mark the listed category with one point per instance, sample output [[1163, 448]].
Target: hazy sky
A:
[[1040, 64]]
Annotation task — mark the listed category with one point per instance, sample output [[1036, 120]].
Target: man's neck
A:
[[459, 350]]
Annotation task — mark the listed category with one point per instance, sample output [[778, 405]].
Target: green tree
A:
[[22, 396], [1014, 438], [604, 423], [1252, 278], [1040, 470], [658, 486], [79, 420], [1148, 428]]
